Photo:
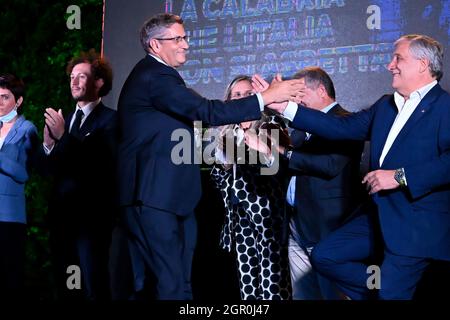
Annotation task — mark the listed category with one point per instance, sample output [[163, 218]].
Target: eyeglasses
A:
[[177, 39]]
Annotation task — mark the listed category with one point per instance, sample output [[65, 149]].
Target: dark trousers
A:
[[12, 260], [161, 248], [344, 257], [86, 248]]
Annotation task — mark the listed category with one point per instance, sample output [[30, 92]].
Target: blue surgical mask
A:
[[8, 117]]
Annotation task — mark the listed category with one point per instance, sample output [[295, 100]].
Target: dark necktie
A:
[[75, 131]]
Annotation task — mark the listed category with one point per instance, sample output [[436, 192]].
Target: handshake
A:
[[278, 93]]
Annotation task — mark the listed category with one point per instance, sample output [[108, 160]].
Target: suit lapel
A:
[[91, 122], [68, 120], [382, 126], [13, 132], [421, 110]]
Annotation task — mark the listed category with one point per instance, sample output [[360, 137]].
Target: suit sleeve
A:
[[13, 168], [355, 126], [326, 166], [170, 95]]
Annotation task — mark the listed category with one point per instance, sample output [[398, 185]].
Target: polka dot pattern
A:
[[255, 208]]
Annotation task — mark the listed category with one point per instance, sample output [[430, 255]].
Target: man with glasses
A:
[[158, 197]]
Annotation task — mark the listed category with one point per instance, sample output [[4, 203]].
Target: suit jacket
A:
[[84, 171], [328, 185], [415, 220], [15, 157], [156, 113]]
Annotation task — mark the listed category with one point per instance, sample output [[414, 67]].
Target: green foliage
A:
[[36, 46]]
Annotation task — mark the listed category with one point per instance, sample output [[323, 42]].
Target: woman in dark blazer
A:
[[18, 138]]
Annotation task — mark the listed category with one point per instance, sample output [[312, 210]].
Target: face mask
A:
[[8, 117]]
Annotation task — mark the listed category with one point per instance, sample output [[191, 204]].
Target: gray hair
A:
[[156, 26], [424, 47]]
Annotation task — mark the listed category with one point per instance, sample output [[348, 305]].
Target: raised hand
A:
[[54, 121], [253, 141], [259, 84], [281, 91]]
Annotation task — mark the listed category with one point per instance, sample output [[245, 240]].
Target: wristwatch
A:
[[399, 176]]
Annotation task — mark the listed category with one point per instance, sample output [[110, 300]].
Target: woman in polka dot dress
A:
[[254, 205]]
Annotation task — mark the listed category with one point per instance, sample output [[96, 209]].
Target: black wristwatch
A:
[[399, 176]]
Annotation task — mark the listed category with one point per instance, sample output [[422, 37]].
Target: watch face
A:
[[399, 177]]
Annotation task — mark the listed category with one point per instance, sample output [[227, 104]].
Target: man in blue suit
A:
[[157, 194], [409, 179]]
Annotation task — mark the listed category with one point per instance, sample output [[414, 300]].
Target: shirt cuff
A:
[[290, 111], [261, 101], [290, 195], [47, 150]]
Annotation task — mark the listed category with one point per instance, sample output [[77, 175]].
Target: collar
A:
[[87, 109], [419, 94], [158, 59], [329, 107]]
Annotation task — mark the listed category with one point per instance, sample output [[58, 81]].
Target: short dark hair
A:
[[314, 76], [100, 68], [13, 84], [155, 27]]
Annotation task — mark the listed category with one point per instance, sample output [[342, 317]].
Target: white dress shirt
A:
[[290, 195], [405, 109], [87, 109]]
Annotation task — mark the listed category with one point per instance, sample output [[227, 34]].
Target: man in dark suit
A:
[[157, 192], [325, 187], [80, 155], [409, 179]]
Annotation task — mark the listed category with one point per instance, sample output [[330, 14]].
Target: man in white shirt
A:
[[80, 156], [409, 181]]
